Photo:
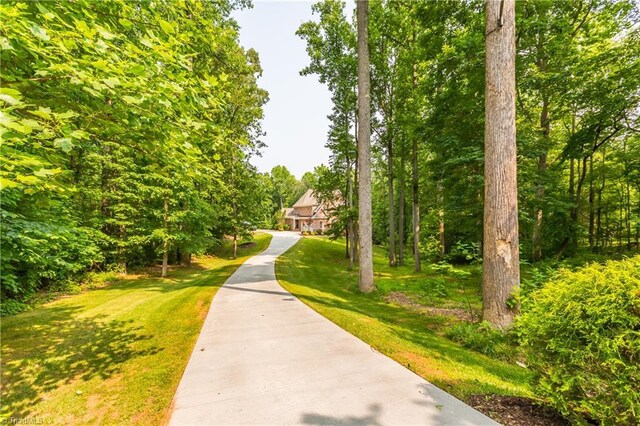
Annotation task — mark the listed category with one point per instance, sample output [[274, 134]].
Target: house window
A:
[[321, 225]]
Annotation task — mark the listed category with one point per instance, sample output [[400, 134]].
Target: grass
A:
[[316, 271], [114, 354]]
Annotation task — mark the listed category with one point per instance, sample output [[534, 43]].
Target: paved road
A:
[[263, 357]]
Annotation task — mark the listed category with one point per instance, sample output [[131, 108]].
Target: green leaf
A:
[[66, 144], [125, 23], [79, 134], [28, 180], [42, 113], [45, 172], [166, 26], [10, 96], [32, 124], [39, 32], [5, 44], [106, 34], [146, 42], [131, 100], [45, 12], [111, 82], [137, 69], [100, 64], [68, 114], [8, 183]]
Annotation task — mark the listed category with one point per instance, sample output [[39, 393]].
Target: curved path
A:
[[263, 357]]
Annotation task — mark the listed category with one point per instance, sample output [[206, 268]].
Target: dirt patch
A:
[[516, 411], [202, 311], [402, 299], [247, 245]]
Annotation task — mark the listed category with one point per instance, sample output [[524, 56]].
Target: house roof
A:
[[307, 200], [318, 213]]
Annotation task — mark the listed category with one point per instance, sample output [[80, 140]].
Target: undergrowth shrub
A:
[[12, 307], [485, 339], [581, 333]]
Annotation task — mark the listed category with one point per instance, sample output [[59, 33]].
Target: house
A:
[[307, 214]]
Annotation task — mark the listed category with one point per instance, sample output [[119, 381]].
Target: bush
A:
[[581, 332], [485, 339], [12, 307], [100, 279], [462, 253]]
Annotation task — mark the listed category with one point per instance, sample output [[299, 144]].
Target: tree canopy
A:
[[126, 132]]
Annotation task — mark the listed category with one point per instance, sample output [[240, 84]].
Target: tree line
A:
[[576, 96], [126, 127]]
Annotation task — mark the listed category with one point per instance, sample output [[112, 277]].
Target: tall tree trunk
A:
[[536, 253], [628, 213], [627, 197], [572, 168], [401, 207], [501, 259], [415, 206], [122, 259], [165, 243], [599, 233], [440, 202], [353, 232], [348, 204], [572, 174], [591, 205], [165, 258], [392, 219], [415, 189], [365, 282], [235, 246]]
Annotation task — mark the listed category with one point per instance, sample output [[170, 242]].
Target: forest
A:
[[126, 144], [127, 129], [577, 105]]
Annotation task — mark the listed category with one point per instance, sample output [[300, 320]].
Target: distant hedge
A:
[[581, 332]]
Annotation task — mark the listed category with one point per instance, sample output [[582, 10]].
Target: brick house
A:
[[307, 214]]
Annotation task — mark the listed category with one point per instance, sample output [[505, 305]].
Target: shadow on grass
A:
[[58, 348], [48, 351], [199, 276]]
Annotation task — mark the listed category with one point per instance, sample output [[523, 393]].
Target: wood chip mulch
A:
[[516, 411]]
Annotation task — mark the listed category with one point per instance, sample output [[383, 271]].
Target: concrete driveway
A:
[[265, 358]]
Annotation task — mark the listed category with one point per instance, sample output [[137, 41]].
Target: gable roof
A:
[[288, 213], [307, 200]]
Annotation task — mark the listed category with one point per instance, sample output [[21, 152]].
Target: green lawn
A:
[[110, 355], [316, 271]]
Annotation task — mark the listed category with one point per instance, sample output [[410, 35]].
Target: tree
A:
[[309, 180], [501, 259], [113, 125], [365, 262], [331, 46], [287, 189]]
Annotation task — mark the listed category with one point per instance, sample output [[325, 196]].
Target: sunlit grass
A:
[[114, 354], [316, 271]]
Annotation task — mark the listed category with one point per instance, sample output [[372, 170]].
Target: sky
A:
[[295, 118]]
